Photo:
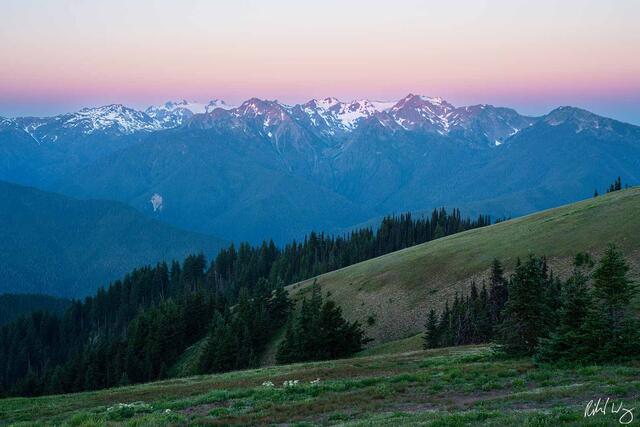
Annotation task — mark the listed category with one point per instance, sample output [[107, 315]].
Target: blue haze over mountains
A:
[[266, 170]]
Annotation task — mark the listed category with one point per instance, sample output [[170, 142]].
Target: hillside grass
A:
[[414, 343], [454, 386], [397, 290], [187, 364]]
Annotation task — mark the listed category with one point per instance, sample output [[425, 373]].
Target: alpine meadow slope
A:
[[456, 386], [392, 294]]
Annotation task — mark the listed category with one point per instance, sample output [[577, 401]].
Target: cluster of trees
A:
[[614, 186], [237, 337], [135, 329], [470, 319], [130, 332], [319, 332], [587, 318], [597, 323]]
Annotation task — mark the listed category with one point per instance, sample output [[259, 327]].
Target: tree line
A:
[[587, 318], [319, 253], [616, 185], [135, 329]]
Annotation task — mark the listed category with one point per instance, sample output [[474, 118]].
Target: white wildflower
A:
[[267, 384], [137, 406]]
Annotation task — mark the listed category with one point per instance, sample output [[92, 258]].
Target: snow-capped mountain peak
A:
[[344, 115], [581, 120], [115, 117], [259, 107], [194, 107], [422, 102], [217, 103], [174, 113], [423, 112], [349, 113], [325, 103]]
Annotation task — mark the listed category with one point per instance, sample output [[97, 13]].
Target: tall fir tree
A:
[[527, 315], [569, 341], [432, 333], [612, 328], [498, 292]]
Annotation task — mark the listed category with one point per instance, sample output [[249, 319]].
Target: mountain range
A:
[[264, 169]]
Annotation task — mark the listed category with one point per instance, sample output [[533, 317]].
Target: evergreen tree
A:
[[280, 304], [611, 285], [568, 342], [498, 292], [445, 326], [615, 186], [527, 315], [319, 331], [337, 338], [288, 349], [432, 334], [220, 350], [483, 326], [611, 327]]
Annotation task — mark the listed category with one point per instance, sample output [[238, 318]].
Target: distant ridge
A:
[[52, 244]]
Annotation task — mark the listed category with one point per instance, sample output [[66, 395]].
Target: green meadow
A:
[[446, 387]]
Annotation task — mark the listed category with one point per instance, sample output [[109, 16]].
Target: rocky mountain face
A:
[[266, 169]]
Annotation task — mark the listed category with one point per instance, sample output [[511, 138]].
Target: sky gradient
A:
[[60, 55]]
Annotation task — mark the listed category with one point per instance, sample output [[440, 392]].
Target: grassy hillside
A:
[[453, 387], [56, 245], [391, 295]]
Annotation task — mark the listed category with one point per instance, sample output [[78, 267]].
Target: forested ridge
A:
[[135, 329]]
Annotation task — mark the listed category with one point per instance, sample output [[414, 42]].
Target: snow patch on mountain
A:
[[192, 106], [157, 202], [344, 115], [580, 119], [114, 117], [175, 113], [423, 112]]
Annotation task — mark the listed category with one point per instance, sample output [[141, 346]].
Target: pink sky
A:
[[64, 54]]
